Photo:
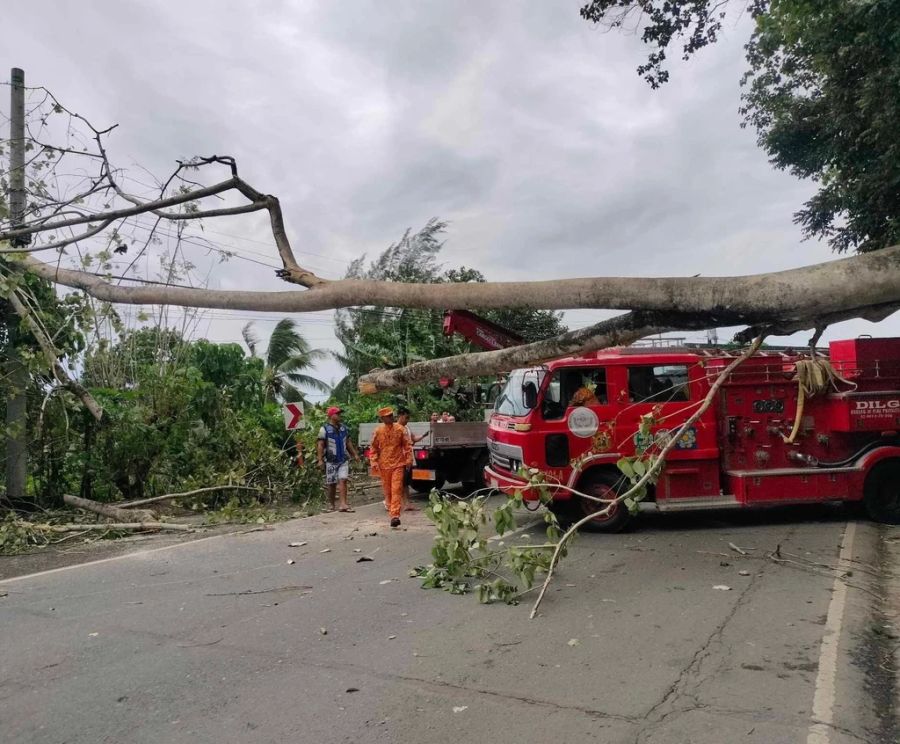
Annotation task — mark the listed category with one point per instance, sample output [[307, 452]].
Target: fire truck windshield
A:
[[511, 402]]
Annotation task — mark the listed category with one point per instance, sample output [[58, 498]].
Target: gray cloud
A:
[[521, 124]]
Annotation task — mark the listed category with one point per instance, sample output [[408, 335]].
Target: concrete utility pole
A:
[[17, 374]]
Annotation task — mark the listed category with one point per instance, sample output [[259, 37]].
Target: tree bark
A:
[[107, 510]]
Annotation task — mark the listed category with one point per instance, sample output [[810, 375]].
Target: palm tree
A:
[[287, 356]]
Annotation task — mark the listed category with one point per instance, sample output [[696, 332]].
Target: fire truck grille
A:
[[507, 457], [504, 463]]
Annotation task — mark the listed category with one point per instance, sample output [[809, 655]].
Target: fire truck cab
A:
[[574, 418]]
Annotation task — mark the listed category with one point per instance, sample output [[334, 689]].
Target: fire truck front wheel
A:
[[602, 485], [882, 492]]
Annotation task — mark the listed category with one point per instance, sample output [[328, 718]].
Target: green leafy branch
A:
[[462, 560]]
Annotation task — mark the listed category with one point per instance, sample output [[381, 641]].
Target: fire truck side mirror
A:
[[529, 394]]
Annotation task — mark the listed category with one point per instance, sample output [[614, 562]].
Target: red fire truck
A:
[[574, 418]]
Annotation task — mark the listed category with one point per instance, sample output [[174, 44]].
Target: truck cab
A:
[[574, 418]]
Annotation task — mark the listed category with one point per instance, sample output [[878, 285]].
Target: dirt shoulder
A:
[[84, 551]]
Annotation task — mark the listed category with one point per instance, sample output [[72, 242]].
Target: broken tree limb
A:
[[52, 357], [107, 510], [114, 526], [166, 497], [618, 331], [652, 470]]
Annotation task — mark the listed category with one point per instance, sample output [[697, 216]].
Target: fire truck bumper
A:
[[507, 483]]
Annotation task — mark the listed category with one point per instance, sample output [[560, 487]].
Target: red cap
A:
[[334, 410]]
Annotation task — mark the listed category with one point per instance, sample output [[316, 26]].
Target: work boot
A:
[[395, 521]]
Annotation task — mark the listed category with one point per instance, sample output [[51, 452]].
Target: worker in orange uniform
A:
[[391, 453]]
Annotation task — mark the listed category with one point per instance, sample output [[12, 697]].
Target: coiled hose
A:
[[814, 377]]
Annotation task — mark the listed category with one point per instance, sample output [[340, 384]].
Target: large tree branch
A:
[[619, 331], [844, 285], [115, 214]]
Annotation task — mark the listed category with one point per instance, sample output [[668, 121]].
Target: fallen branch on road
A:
[[107, 510], [166, 497], [109, 526]]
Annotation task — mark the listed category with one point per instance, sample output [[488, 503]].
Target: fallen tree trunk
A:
[[114, 526], [107, 510], [166, 497], [859, 281]]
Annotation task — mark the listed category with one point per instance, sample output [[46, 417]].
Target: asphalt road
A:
[[220, 640]]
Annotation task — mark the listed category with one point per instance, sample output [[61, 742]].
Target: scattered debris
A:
[[722, 587], [290, 588], [364, 558], [352, 689], [325, 550], [391, 637], [736, 549], [460, 708], [93, 635], [290, 561], [357, 550], [3, 593], [724, 564], [386, 581], [296, 544], [743, 573], [574, 642], [195, 645], [323, 631]]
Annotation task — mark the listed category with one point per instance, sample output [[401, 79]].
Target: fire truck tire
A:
[[881, 497], [602, 484]]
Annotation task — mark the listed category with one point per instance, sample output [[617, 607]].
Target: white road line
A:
[[823, 699], [139, 553]]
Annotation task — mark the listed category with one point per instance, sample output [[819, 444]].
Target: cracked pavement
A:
[[220, 640]]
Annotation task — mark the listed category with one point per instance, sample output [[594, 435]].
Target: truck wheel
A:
[[480, 482], [603, 485], [881, 496], [425, 487]]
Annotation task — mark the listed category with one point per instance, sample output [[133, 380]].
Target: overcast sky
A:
[[521, 124]]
